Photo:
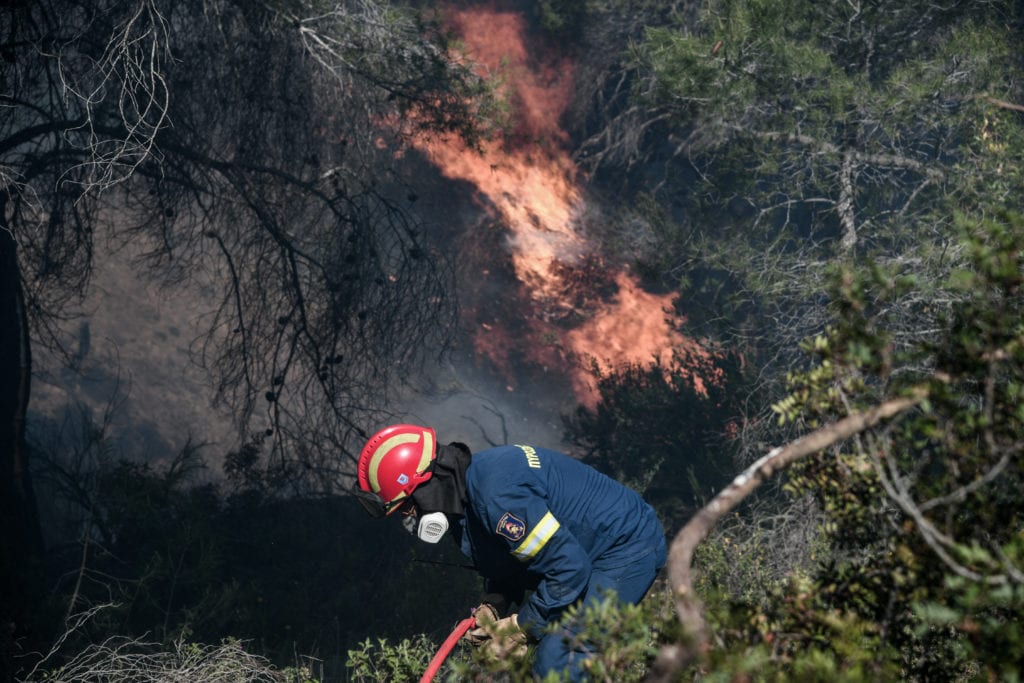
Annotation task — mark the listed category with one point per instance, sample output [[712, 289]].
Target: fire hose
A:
[[446, 648]]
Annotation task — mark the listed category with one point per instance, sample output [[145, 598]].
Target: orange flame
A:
[[532, 186], [636, 328]]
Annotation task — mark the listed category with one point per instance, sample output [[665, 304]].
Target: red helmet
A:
[[395, 461]]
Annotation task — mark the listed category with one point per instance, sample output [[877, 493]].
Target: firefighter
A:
[[545, 530]]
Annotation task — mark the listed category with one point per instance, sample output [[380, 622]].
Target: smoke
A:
[[541, 304], [132, 368]]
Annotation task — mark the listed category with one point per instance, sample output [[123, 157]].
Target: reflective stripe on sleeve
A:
[[538, 538]]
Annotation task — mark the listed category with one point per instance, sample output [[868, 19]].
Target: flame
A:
[[533, 189], [629, 330], [533, 185]]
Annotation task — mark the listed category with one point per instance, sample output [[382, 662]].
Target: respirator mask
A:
[[443, 494], [429, 528]]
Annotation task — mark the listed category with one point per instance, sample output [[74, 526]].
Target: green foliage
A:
[[562, 18], [822, 132], [624, 640], [299, 674], [846, 227], [750, 53], [797, 635], [682, 66], [481, 664], [986, 618], [743, 561], [921, 578], [383, 662]]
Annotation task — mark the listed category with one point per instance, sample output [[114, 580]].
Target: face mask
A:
[[432, 527]]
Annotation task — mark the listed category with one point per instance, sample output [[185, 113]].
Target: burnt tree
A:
[[247, 147]]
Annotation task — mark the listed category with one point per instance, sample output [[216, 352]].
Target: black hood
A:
[[446, 490]]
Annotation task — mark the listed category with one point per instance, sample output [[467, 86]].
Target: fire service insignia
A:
[[511, 527]]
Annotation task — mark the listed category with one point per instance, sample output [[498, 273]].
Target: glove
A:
[[507, 639], [486, 616]]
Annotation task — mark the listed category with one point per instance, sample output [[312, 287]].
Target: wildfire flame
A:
[[533, 188], [636, 328]]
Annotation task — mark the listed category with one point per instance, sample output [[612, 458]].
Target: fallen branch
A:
[[673, 657], [1003, 103]]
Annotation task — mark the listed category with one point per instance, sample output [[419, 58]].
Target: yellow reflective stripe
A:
[[538, 538], [383, 450], [428, 452]]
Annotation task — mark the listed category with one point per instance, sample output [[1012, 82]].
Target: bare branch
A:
[[897, 488], [132, 65], [882, 160], [845, 205], [1003, 103], [688, 606], [123, 659]]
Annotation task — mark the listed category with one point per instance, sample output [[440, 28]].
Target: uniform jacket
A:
[[542, 518]]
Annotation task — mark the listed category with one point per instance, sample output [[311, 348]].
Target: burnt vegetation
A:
[[238, 147]]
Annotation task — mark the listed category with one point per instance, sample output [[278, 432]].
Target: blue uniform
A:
[[540, 516]]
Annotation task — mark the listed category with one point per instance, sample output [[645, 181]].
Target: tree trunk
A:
[[21, 542]]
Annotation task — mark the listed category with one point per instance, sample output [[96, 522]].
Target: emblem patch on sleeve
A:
[[511, 527]]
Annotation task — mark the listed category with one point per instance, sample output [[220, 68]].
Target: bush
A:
[[382, 662]]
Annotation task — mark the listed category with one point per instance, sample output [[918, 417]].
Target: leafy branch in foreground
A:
[[918, 467]]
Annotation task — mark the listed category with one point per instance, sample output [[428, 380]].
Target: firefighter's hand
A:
[[486, 616], [507, 639]]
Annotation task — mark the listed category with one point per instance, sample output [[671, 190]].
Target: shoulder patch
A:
[[511, 527]]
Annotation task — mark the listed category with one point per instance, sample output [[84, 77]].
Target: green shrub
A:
[[383, 662]]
